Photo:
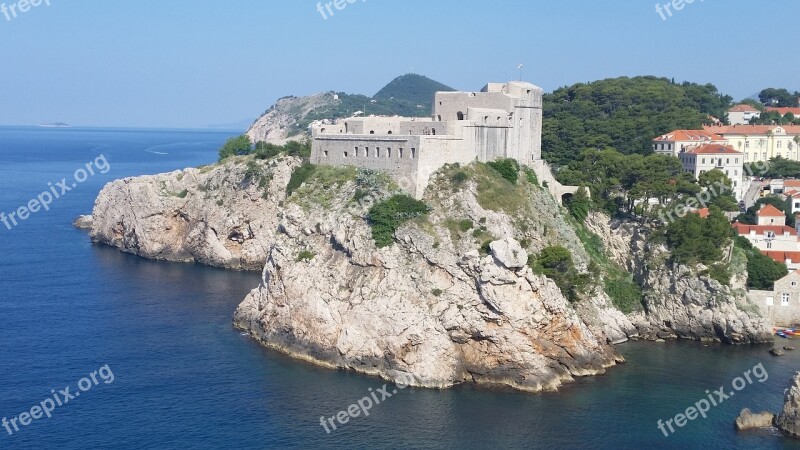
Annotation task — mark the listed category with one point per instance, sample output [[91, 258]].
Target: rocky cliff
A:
[[788, 421], [679, 301], [280, 123], [451, 301]]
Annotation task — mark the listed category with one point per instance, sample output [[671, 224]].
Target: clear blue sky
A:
[[181, 63]]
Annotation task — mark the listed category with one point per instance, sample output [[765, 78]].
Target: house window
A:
[[794, 283], [413, 153], [355, 152], [770, 301], [325, 153], [703, 161], [377, 152], [366, 152], [388, 152], [747, 144], [401, 153], [371, 131], [785, 299], [780, 144], [345, 154]]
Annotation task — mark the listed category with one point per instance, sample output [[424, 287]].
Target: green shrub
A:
[[385, 217], [485, 248], [555, 262], [530, 175], [625, 294], [436, 292], [299, 176], [465, 225], [720, 273], [459, 177], [580, 204], [234, 146], [507, 168], [305, 255]]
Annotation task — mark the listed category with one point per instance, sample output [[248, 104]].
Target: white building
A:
[[742, 114], [762, 142], [675, 142], [724, 158]]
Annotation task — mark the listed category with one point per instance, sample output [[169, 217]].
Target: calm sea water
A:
[[184, 378]]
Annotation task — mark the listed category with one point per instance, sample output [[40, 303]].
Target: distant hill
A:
[[412, 88], [408, 95]]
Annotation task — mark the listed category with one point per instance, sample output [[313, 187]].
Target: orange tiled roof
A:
[[689, 135], [751, 130], [743, 108], [781, 256], [760, 230], [714, 149], [791, 183], [784, 111], [702, 212], [769, 211]]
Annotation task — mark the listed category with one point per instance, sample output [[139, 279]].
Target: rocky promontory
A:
[[453, 298], [788, 421]]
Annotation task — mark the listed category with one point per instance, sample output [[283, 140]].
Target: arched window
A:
[[460, 115], [371, 131], [433, 131]]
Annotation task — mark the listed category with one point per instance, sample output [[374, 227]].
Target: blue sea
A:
[[162, 367]]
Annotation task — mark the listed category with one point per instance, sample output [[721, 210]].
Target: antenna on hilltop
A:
[[519, 68]]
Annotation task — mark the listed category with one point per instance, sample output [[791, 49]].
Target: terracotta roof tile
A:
[[714, 149], [769, 211]]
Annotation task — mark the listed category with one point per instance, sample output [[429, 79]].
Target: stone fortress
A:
[[503, 120]]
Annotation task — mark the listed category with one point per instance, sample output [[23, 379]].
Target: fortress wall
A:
[[397, 156]]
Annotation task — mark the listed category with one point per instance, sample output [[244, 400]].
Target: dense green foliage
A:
[[508, 168], [776, 168], [762, 271], [385, 217], [693, 239], [749, 217], [239, 145], [301, 149], [299, 176], [779, 97], [555, 262], [579, 204], [623, 113], [412, 88], [617, 181], [625, 294]]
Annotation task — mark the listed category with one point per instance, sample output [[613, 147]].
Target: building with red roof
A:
[[678, 141], [716, 156], [742, 114]]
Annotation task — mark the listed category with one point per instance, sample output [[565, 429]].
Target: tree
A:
[[579, 204], [778, 97], [693, 239], [234, 146], [556, 263], [762, 271]]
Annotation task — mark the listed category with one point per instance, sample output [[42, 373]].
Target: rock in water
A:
[[776, 351], [788, 421], [748, 420], [84, 222]]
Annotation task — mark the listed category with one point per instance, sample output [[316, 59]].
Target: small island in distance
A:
[[55, 125]]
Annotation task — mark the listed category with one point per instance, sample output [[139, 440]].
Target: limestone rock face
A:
[[749, 420], [279, 124], [509, 253], [221, 216], [373, 311], [679, 302], [788, 421]]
